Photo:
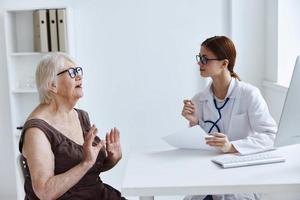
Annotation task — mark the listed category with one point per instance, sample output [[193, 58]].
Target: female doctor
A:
[[232, 111]]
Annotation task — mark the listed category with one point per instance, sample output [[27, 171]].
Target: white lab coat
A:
[[245, 120]]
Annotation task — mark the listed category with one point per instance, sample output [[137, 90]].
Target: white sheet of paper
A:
[[189, 138]]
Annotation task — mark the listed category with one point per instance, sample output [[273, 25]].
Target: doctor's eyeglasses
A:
[[72, 72], [204, 60]]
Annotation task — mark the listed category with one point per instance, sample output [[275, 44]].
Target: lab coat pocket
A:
[[240, 127]]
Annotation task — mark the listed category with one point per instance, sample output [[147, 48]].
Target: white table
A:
[[182, 172]]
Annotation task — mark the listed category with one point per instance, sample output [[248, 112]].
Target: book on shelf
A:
[[52, 21], [62, 30], [40, 31]]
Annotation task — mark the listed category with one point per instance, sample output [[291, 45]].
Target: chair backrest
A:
[[22, 167]]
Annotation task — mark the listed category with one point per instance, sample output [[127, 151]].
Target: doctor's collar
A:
[[231, 93]]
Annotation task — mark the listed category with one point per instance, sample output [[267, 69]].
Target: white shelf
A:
[[22, 60], [28, 54], [27, 91]]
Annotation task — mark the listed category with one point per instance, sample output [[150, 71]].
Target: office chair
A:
[[22, 167]]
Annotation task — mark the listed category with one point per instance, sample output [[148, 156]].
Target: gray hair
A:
[[46, 73]]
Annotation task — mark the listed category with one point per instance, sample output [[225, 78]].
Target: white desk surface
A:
[[172, 171]]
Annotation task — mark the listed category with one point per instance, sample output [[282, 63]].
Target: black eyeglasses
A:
[[204, 60], [72, 72]]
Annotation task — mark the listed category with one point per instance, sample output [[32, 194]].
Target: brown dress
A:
[[68, 154]]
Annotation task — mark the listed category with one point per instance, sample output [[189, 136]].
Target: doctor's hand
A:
[[220, 140], [113, 146], [189, 112]]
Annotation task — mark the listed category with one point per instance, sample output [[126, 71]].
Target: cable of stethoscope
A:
[[220, 115]]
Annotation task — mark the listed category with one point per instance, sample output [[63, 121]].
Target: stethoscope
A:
[[214, 124]]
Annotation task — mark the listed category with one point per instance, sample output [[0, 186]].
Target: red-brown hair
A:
[[223, 48]]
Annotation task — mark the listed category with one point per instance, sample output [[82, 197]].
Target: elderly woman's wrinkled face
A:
[[69, 82]]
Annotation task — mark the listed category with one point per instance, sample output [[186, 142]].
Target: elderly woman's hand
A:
[[90, 151], [113, 146]]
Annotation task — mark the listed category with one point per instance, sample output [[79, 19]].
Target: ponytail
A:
[[235, 75]]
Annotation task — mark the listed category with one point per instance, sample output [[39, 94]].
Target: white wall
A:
[[248, 33], [288, 38], [271, 40], [282, 39], [140, 61]]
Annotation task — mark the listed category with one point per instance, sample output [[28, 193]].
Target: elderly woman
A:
[[64, 157]]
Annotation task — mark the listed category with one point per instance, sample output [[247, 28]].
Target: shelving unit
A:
[[21, 62]]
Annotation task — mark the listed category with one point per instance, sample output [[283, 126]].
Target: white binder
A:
[[53, 30], [62, 30], [40, 31]]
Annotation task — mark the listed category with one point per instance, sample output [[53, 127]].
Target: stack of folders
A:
[[50, 30]]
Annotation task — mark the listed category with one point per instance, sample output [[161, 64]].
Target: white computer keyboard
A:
[[234, 160]]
